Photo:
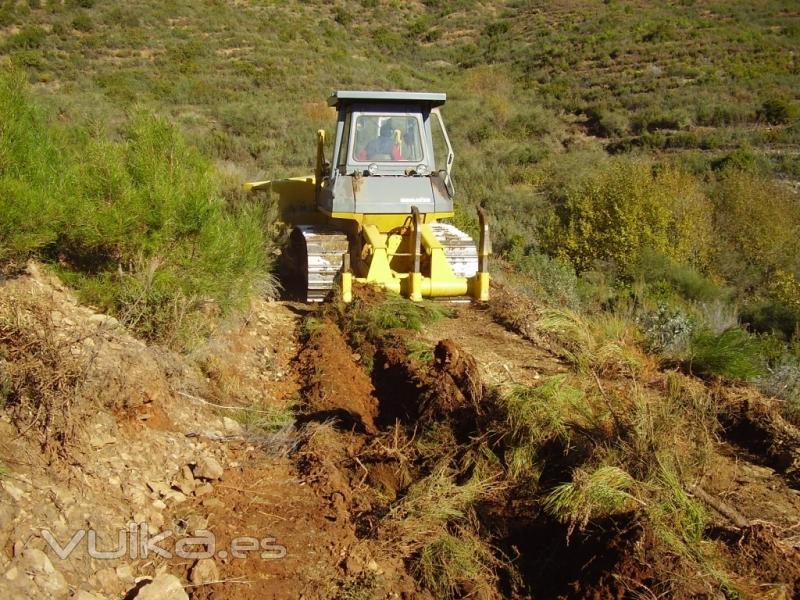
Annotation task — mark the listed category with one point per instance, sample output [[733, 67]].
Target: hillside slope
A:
[[621, 420]]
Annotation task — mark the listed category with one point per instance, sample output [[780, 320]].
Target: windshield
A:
[[387, 138]]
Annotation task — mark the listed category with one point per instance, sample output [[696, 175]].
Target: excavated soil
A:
[[755, 424], [336, 387], [142, 420]]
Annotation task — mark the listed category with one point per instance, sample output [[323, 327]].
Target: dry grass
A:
[[40, 376], [602, 344], [435, 527]]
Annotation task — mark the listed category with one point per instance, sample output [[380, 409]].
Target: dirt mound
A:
[[456, 380], [754, 422], [336, 387], [64, 362]]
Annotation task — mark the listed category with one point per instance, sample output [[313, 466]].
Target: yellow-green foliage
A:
[[629, 207], [677, 519], [602, 343], [691, 230], [759, 222], [452, 563], [535, 414], [786, 289], [591, 494]]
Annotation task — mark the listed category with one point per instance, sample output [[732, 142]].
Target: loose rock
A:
[[204, 571], [207, 467], [163, 587]]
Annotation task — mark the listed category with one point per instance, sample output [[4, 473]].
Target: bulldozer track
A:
[[325, 249], [459, 247]]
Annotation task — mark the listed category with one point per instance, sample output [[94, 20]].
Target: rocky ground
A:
[[149, 446]]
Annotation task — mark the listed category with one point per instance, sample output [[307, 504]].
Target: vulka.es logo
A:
[[136, 543]]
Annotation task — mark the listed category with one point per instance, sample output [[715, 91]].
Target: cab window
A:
[[387, 138], [342, 159]]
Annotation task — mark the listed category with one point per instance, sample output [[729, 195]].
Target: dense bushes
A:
[[137, 224], [630, 207], [758, 223]]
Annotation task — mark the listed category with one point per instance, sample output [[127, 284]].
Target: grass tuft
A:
[[396, 312], [603, 344], [733, 354], [452, 564], [591, 494], [270, 419]]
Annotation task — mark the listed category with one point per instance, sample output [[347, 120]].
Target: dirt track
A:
[[503, 356]]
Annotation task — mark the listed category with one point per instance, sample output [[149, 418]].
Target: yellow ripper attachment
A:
[[441, 282]]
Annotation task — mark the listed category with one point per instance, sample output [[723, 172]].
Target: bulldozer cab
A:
[[390, 152]]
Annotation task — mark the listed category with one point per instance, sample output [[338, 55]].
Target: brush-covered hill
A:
[[640, 359], [640, 155]]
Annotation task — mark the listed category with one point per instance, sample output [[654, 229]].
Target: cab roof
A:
[[345, 97]]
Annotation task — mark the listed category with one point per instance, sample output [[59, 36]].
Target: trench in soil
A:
[[406, 395]]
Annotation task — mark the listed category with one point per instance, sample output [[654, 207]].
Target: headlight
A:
[[372, 169], [422, 169]]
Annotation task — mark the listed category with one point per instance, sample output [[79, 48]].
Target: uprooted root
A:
[[39, 376]]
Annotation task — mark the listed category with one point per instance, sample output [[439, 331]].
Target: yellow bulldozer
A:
[[372, 212]]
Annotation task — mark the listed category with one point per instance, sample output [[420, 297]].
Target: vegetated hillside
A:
[[632, 156], [640, 163]]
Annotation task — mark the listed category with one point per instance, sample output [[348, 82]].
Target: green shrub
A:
[[82, 22], [778, 111], [772, 316], [734, 354], [552, 279], [150, 205], [656, 268], [742, 159], [536, 121], [137, 225], [667, 330], [719, 114], [343, 16], [26, 39], [31, 158], [605, 123]]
